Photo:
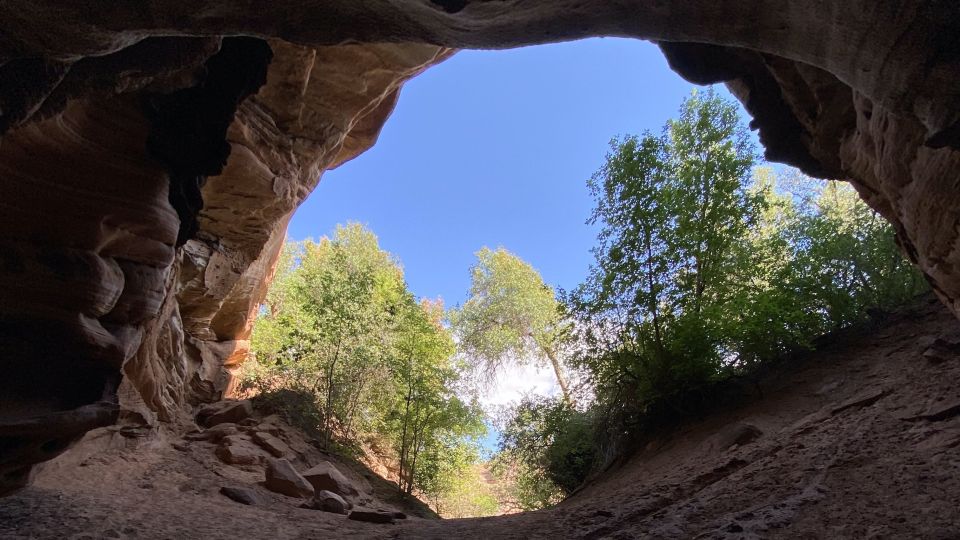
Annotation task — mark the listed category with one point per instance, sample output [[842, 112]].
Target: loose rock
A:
[[328, 501], [325, 476], [282, 478], [224, 411], [242, 495], [937, 355], [214, 433], [371, 516], [272, 444], [238, 450], [863, 399], [735, 435]]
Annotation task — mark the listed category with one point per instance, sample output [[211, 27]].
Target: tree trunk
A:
[[559, 373], [404, 449]]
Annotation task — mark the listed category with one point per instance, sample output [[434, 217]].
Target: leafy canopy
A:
[[706, 267], [511, 316], [348, 353]]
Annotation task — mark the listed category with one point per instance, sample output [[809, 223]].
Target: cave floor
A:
[[861, 440]]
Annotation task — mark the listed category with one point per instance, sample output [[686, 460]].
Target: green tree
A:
[[323, 328], [705, 267], [466, 492], [511, 316], [351, 354], [546, 451], [847, 259], [427, 417], [673, 210]]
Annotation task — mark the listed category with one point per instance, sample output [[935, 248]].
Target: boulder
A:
[[272, 444], [738, 434], [371, 516], [325, 476], [239, 450], [329, 501], [938, 354], [282, 478], [242, 495], [214, 434], [223, 412], [270, 424]]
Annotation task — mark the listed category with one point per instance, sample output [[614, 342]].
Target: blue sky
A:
[[494, 148]]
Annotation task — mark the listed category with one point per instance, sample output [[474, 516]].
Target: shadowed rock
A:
[[325, 476], [242, 495], [282, 478], [115, 287]]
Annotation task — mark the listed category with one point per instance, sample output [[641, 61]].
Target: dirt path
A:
[[861, 441]]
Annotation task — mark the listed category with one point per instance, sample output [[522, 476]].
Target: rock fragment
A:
[[272, 444], [371, 516], [242, 495], [282, 478], [224, 411], [328, 501], [213, 434], [239, 450], [863, 399], [325, 476]]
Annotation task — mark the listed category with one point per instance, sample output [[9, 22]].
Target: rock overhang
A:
[[100, 303]]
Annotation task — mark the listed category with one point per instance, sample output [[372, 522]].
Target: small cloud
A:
[[514, 382]]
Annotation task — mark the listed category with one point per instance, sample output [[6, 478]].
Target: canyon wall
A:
[[152, 155], [104, 314]]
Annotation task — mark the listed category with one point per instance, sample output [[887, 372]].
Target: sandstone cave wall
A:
[[94, 281]]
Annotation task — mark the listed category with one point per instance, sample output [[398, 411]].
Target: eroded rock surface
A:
[[885, 470], [139, 240], [93, 285]]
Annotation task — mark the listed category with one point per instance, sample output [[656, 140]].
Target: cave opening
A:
[[492, 149], [142, 319]]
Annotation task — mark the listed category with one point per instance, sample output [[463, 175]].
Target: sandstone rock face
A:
[[92, 285], [129, 277]]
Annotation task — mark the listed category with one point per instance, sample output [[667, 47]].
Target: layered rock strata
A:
[[99, 301], [145, 197]]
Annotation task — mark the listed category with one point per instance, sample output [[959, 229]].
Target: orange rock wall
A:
[[92, 284]]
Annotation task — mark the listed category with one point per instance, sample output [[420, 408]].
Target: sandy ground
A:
[[862, 440]]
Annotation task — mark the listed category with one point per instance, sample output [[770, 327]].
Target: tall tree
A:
[[512, 316], [673, 210]]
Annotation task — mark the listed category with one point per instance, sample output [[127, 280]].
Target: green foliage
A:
[[511, 316], [454, 484], [674, 210], [546, 450], [847, 261], [705, 268], [345, 351]]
